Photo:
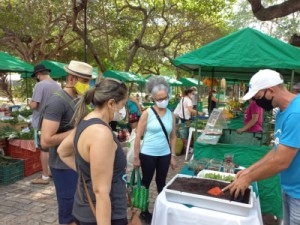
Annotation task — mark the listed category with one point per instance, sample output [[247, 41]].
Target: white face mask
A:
[[163, 104], [120, 115]]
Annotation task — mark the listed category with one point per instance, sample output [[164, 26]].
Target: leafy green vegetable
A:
[[219, 177]]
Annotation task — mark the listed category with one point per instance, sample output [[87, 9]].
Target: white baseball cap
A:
[[261, 80]]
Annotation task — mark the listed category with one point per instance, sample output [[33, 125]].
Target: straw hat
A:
[[79, 69]]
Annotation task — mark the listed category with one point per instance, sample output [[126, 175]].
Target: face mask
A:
[[120, 115], [264, 103], [81, 87], [163, 104]]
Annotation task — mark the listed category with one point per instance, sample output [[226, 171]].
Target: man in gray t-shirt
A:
[[56, 126], [41, 94]]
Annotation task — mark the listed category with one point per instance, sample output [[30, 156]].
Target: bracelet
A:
[[173, 154]]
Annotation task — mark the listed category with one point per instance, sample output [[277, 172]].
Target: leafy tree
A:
[[36, 29], [141, 36]]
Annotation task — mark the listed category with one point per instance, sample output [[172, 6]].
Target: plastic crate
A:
[[11, 172], [32, 165], [20, 153]]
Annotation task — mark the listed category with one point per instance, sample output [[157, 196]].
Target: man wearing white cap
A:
[[268, 90]]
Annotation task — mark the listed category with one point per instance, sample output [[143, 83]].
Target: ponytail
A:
[[82, 106]]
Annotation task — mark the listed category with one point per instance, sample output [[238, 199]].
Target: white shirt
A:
[[186, 103]]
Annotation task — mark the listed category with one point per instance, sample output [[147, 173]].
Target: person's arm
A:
[[250, 124], [49, 136], [66, 151], [139, 133], [213, 98], [102, 170], [272, 164], [33, 105], [193, 111], [36, 97], [137, 104], [173, 143]]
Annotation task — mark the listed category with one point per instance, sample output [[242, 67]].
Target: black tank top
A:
[[118, 198], [211, 104]]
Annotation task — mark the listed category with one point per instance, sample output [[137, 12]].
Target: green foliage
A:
[[11, 133], [24, 88], [281, 28], [151, 31], [219, 177]]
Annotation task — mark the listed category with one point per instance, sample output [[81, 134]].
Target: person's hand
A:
[[200, 113], [240, 173], [173, 163], [239, 185], [240, 131], [136, 162]]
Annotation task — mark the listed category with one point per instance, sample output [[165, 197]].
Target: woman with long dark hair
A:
[[95, 152]]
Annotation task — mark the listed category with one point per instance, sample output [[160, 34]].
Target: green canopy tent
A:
[[189, 82], [57, 69], [170, 80], [124, 76], [241, 54], [10, 63]]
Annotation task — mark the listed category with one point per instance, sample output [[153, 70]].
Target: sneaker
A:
[[40, 180], [146, 216]]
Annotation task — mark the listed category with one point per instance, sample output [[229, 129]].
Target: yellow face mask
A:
[[81, 87]]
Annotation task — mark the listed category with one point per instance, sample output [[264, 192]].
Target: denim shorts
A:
[[291, 215], [65, 182]]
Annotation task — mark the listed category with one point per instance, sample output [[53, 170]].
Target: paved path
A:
[[27, 204]]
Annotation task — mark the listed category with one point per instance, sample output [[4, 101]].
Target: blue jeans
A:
[[291, 215], [65, 182]]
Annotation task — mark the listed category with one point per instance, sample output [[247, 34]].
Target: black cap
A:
[[39, 68]]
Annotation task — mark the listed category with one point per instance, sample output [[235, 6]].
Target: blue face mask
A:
[[162, 104]]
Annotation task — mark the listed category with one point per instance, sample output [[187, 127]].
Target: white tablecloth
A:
[[171, 213]]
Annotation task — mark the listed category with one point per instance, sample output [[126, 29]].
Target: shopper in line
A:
[[157, 151], [93, 150]]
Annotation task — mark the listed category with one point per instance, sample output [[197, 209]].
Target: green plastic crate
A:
[[11, 170]]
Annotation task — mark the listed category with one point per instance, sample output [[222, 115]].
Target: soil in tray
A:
[[200, 186]]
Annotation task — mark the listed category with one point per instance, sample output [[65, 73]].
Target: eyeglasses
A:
[[161, 99]]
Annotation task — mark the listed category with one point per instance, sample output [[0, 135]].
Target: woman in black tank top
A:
[[94, 151]]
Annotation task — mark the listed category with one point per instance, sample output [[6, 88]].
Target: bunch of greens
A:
[[25, 113], [11, 133], [219, 177]]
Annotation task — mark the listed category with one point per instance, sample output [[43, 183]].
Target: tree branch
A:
[[275, 11], [76, 10]]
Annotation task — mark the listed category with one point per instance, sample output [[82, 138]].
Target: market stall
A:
[[244, 155], [240, 55]]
